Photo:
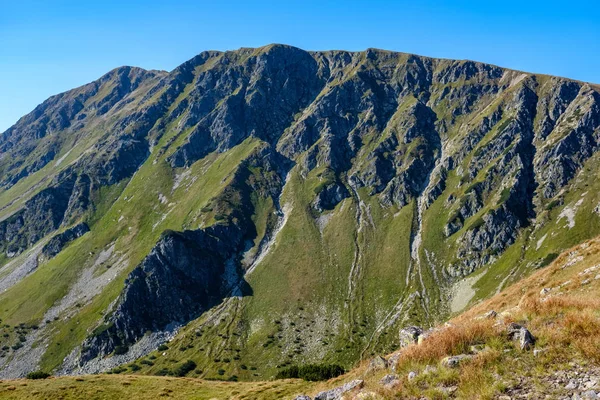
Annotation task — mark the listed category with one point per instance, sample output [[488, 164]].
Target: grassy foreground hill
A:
[[559, 305]]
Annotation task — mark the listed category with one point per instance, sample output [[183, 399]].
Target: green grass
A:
[[140, 387]]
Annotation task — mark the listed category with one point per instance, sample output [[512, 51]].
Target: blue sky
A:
[[49, 46]]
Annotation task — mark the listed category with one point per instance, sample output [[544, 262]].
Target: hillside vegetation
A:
[[559, 305]]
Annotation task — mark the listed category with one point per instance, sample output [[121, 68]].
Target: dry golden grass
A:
[[451, 340]]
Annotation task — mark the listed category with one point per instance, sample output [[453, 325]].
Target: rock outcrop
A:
[[185, 274], [58, 242]]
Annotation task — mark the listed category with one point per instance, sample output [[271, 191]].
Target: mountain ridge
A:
[[363, 185]]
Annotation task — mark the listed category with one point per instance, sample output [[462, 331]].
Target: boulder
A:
[[389, 380], [377, 364], [410, 335], [302, 397], [520, 333], [393, 361], [336, 394]]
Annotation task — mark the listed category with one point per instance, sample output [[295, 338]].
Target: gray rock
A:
[[302, 397], [336, 394], [410, 335], [454, 361], [389, 380], [522, 335], [572, 385], [589, 394], [377, 364], [412, 375]]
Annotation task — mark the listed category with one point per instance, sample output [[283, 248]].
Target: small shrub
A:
[[121, 349], [164, 372], [183, 369], [221, 372], [118, 370], [548, 259], [163, 347], [311, 372], [38, 375], [553, 204]]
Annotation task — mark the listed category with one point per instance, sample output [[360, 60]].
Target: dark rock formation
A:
[[58, 242], [184, 275]]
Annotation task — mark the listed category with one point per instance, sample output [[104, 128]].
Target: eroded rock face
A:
[[67, 112], [188, 272], [58, 242], [330, 196], [350, 112], [41, 215], [184, 275]]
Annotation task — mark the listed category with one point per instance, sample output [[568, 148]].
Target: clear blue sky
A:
[[49, 46]]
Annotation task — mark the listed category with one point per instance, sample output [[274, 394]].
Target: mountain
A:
[[478, 354], [261, 208]]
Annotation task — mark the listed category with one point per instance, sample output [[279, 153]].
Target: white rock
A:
[[571, 385]]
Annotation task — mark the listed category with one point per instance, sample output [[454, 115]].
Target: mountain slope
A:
[[557, 304], [266, 207]]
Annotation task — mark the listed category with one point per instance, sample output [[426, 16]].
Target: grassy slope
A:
[[133, 223], [299, 311], [566, 323]]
